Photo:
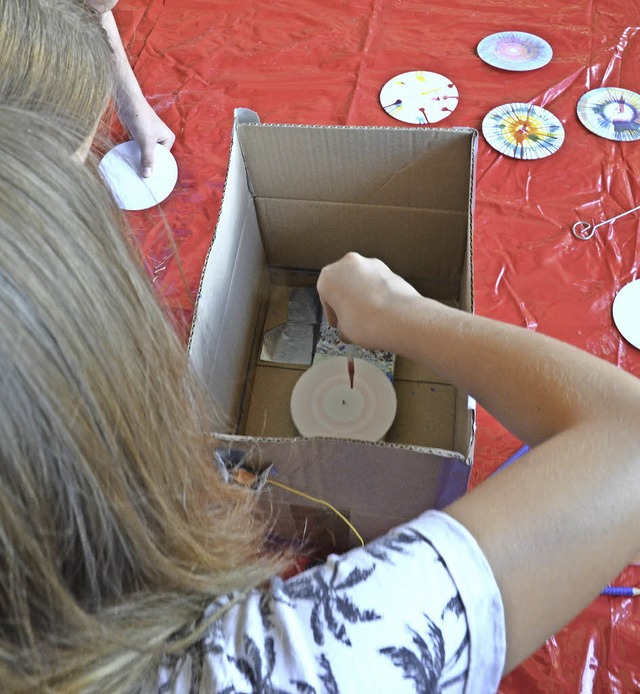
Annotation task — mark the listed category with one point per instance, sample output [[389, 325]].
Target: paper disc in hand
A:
[[120, 170]]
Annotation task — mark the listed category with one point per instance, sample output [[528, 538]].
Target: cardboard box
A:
[[297, 198]]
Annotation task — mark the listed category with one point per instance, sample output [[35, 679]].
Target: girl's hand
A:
[[136, 114], [146, 128], [363, 298]]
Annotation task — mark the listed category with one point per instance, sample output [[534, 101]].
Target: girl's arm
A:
[[134, 111], [564, 520]]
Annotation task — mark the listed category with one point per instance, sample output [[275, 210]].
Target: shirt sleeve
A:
[[417, 610]]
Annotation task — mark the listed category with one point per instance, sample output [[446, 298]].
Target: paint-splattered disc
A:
[[612, 113], [515, 50], [419, 97], [523, 131]]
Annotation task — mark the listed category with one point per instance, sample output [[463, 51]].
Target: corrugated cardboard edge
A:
[[240, 115], [442, 452]]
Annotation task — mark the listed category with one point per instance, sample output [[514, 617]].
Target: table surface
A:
[[324, 63]]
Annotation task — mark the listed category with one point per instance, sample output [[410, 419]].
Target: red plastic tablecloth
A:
[[297, 61]]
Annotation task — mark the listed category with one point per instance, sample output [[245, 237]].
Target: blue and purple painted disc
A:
[[515, 50], [611, 112]]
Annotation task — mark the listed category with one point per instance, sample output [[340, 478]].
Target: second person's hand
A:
[[136, 114], [146, 128]]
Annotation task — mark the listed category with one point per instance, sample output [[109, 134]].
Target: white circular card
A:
[[515, 50], [324, 404], [120, 170], [523, 131], [611, 112], [626, 312], [419, 97]]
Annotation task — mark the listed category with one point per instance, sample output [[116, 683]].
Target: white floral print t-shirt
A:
[[417, 610]]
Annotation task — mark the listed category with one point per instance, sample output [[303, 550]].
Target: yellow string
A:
[[320, 501]]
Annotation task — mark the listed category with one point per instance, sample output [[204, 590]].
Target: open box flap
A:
[[384, 166], [232, 285]]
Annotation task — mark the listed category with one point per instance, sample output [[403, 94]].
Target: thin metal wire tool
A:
[[584, 231]]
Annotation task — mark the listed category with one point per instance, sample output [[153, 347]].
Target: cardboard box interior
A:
[[297, 198]]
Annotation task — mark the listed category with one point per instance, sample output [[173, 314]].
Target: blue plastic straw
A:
[[621, 592]]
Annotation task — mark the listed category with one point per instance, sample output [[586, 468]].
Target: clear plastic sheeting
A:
[[297, 61]]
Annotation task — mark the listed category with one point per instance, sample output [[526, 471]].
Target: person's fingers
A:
[[167, 140], [332, 318], [146, 158], [147, 146]]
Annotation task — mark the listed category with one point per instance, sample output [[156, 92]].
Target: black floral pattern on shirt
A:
[[424, 662], [256, 670], [394, 542], [330, 601], [329, 684], [194, 655], [328, 605], [454, 605]]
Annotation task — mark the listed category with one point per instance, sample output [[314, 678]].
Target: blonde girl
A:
[[127, 564], [55, 58], [115, 528]]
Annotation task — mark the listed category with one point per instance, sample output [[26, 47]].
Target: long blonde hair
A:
[[55, 58], [115, 528]]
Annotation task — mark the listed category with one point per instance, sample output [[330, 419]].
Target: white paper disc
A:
[[419, 97], [626, 312], [515, 50], [120, 169], [323, 404]]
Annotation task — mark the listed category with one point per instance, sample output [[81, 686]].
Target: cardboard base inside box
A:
[[297, 198]]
